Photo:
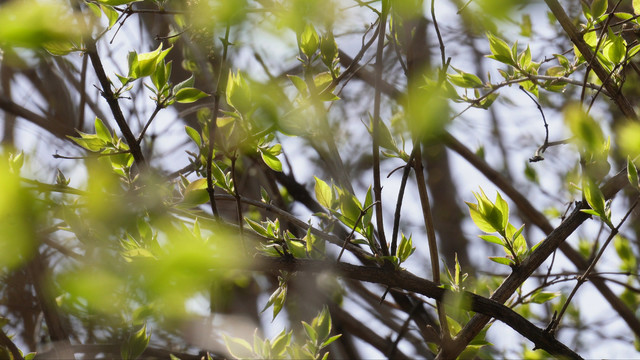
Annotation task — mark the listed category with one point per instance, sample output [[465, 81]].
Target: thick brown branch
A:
[[409, 282]]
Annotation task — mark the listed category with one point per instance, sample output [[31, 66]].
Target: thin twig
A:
[[213, 124], [236, 195], [58, 156], [538, 155], [347, 240], [584, 277], [83, 94], [377, 188], [159, 107], [431, 237], [396, 217], [435, 25], [403, 330], [529, 77]]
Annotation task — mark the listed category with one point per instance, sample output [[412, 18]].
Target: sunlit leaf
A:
[[598, 8], [194, 135], [271, 160], [542, 297], [309, 40], [189, 95], [324, 193], [594, 196]]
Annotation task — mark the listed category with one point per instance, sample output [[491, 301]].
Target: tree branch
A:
[[409, 282], [377, 188], [134, 146], [609, 189], [576, 38]]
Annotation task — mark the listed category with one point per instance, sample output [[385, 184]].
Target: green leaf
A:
[[502, 260], [534, 247], [502, 205], [465, 80], [219, 176], [194, 135], [623, 15], [60, 48], [492, 239], [329, 341], [368, 201], [590, 212], [238, 93], [525, 59], [196, 193], [271, 161], [615, 48], [264, 196], [237, 347], [297, 248], [591, 38], [405, 249], [322, 80], [555, 71], [95, 9], [491, 214], [350, 207], [309, 41], [517, 233], [189, 95], [542, 297], [90, 142], [594, 196], [161, 75], [280, 343], [311, 332], [479, 219], [324, 193], [188, 83], [145, 63], [299, 83], [636, 7], [632, 173], [328, 49], [102, 131], [598, 8], [111, 14], [322, 324], [500, 50], [257, 227], [280, 299], [135, 345]]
